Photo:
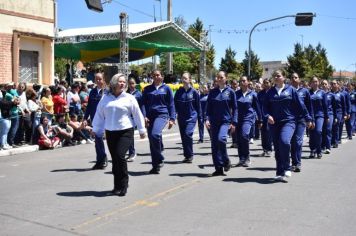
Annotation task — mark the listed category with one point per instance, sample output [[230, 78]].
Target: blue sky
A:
[[334, 27]]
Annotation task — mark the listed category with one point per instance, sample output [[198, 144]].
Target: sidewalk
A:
[[19, 150]]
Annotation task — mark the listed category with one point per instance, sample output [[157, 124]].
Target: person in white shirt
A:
[[117, 114]]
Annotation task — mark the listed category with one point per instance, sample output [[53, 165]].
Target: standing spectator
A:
[[84, 96], [59, 101], [187, 104], [159, 109], [221, 115], [73, 100], [47, 104], [25, 128], [5, 123], [35, 107], [117, 113], [11, 95], [95, 96], [281, 108]]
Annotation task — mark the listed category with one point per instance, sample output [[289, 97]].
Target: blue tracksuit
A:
[[347, 111], [328, 125], [297, 139], [94, 98], [266, 138], [284, 109], [158, 108], [221, 112], [203, 100], [320, 108], [187, 104], [353, 112], [248, 108], [339, 116], [138, 95]]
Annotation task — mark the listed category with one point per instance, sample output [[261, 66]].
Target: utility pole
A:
[[302, 36], [169, 55]]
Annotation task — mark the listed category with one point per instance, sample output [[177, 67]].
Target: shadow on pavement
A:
[[86, 194], [138, 173], [143, 154], [173, 148], [200, 175], [251, 180], [73, 169], [262, 168], [205, 165]]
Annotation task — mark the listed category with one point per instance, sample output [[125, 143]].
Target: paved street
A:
[[56, 193]]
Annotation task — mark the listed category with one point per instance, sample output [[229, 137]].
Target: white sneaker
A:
[[7, 147], [288, 173], [251, 141], [281, 178], [90, 141], [83, 142], [131, 158], [327, 151]]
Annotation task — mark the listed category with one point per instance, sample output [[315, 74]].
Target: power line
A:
[[134, 9], [338, 17], [236, 31]]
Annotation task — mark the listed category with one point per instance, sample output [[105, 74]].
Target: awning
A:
[[101, 44]]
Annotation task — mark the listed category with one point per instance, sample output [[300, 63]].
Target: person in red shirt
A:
[[60, 103]]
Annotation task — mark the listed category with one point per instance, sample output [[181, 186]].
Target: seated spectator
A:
[[45, 135], [81, 130], [64, 131]]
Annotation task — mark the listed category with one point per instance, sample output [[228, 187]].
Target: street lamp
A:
[[301, 19]]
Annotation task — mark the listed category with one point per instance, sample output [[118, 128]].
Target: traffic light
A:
[[94, 5], [304, 19]]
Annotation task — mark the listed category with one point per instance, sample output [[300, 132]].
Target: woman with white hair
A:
[[117, 114]]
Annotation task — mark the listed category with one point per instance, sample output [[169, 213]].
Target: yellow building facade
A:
[[26, 41]]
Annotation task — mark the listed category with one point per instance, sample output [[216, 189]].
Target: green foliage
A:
[[256, 67], [309, 62], [229, 63], [60, 67], [181, 62]]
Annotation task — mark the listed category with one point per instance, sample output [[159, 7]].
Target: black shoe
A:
[[200, 141], [154, 171], [99, 166], [227, 166], [335, 145], [188, 160], [319, 155], [119, 192], [350, 138], [312, 155], [218, 172], [298, 169]]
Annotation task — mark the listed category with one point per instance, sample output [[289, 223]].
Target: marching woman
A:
[[159, 110], [328, 126], [320, 108], [221, 115], [138, 95], [352, 90], [281, 108], [117, 114], [187, 104], [266, 138], [339, 115], [249, 108], [297, 139], [203, 99]]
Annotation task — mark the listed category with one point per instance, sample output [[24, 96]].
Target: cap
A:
[[90, 83]]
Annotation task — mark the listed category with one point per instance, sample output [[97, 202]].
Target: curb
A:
[[19, 150]]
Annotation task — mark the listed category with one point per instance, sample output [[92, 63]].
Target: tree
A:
[[256, 67], [181, 63], [60, 67], [229, 63], [180, 21], [309, 62]]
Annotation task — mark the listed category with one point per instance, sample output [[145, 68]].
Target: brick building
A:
[[26, 41]]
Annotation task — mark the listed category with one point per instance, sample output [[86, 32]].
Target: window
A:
[[28, 66]]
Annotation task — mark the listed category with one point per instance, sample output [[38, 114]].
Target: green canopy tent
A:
[[102, 44]]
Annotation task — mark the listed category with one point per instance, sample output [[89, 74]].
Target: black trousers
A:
[[118, 143]]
